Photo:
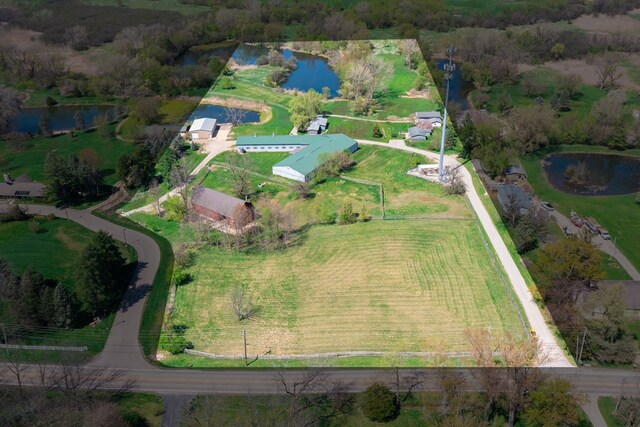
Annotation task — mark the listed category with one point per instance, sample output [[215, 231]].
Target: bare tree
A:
[[77, 37], [156, 192], [10, 106], [242, 305], [455, 184], [512, 209], [240, 177], [410, 50], [180, 174], [234, 115], [608, 68], [16, 365], [406, 383]]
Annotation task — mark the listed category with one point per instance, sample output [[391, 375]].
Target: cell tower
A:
[[448, 75]]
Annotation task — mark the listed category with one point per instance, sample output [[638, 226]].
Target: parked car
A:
[[547, 206]]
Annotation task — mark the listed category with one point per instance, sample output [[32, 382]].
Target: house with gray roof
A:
[[419, 133], [219, 206], [509, 194], [21, 187], [433, 117], [203, 128], [317, 126]]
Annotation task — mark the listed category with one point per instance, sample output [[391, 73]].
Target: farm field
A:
[[341, 288], [623, 226], [29, 156]]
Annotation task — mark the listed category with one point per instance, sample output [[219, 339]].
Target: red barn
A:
[[220, 206]]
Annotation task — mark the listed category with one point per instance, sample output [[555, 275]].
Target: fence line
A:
[[335, 355], [43, 347], [367, 182]]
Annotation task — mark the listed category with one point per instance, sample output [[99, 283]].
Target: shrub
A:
[[377, 132], [34, 227], [181, 277], [227, 83], [50, 101], [379, 403], [174, 340]]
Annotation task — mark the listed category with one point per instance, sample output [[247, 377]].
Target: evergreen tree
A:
[[100, 275], [62, 307], [29, 299]]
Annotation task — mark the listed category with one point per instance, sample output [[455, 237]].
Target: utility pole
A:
[[125, 235], [244, 335], [448, 75], [6, 343], [584, 337]]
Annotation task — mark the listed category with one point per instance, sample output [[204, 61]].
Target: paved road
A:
[[212, 147], [606, 246], [122, 349], [555, 357]]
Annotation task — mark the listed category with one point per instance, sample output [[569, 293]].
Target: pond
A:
[[60, 117], [605, 174], [313, 71], [458, 87], [217, 112]]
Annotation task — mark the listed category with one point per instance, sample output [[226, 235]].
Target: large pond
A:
[[60, 117], [606, 174], [217, 112], [313, 71], [458, 87]]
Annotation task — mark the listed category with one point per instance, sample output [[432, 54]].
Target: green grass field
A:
[[607, 405], [623, 226], [171, 5], [53, 252], [342, 288], [361, 129], [29, 156]]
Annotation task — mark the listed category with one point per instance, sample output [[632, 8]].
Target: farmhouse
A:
[[317, 126], [21, 187], [220, 206], [302, 164], [433, 117], [203, 128], [510, 194]]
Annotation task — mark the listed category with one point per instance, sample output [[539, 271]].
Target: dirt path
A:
[[593, 412], [553, 356]]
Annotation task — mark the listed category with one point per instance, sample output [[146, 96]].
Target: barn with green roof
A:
[[307, 151]]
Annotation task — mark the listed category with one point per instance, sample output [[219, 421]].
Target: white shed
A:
[[203, 128]]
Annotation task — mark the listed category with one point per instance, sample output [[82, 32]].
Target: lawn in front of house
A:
[[347, 288], [623, 226], [29, 156]]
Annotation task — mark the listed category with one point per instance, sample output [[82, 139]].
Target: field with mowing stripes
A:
[[381, 286]]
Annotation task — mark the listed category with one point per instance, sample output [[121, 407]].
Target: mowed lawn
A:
[[29, 156], [619, 214], [382, 286]]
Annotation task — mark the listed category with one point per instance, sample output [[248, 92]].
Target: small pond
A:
[[458, 87], [313, 71], [606, 174], [60, 117], [217, 112]]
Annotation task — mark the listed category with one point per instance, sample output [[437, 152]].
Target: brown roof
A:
[[630, 291], [215, 200]]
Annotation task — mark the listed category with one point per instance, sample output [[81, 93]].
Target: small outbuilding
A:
[[219, 206], [433, 117], [203, 128], [317, 126]]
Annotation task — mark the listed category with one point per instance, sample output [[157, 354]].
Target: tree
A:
[[305, 107], [347, 215], [240, 178], [455, 183], [276, 225], [10, 107], [379, 403], [146, 110], [29, 302], [235, 115], [78, 118], [505, 103], [176, 209], [530, 128], [77, 37], [100, 275], [607, 68], [101, 122], [570, 84], [180, 175], [377, 132], [44, 125], [302, 189], [62, 307], [243, 307], [570, 259], [557, 50], [411, 51], [553, 403]]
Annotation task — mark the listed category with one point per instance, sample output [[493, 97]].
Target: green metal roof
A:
[[307, 159], [276, 140]]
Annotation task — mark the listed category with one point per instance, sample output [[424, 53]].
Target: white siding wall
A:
[[267, 148], [287, 172]]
